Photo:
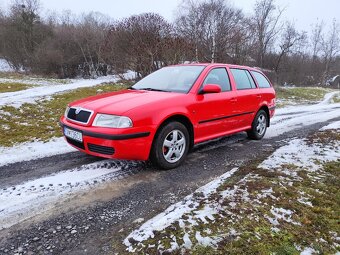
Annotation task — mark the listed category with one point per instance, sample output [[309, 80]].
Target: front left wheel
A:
[[170, 146]]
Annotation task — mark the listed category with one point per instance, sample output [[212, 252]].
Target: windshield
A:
[[170, 79]]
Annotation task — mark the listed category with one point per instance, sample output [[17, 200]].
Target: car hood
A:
[[122, 101]]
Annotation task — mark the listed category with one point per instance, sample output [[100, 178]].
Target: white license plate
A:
[[75, 135]]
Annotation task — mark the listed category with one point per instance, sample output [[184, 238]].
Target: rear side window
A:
[[261, 79], [220, 77], [243, 79]]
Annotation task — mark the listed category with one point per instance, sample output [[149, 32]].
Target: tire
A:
[[259, 126], [168, 151]]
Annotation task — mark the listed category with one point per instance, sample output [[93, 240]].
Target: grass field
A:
[[13, 86]]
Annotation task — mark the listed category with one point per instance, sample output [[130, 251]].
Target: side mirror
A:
[[210, 88]]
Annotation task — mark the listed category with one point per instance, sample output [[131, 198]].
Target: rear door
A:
[[247, 94], [266, 89], [214, 110]]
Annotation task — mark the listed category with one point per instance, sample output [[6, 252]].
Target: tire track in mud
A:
[[33, 197]]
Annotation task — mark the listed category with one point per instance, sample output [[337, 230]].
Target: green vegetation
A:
[[312, 197], [40, 121], [12, 75], [13, 86], [300, 95]]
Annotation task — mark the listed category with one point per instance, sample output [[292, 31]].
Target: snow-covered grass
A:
[[284, 204], [31, 95], [302, 154], [292, 117], [33, 122], [35, 197], [175, 212], [300, 95]]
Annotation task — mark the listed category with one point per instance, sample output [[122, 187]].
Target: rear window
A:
[[243, 79], [261, 80]]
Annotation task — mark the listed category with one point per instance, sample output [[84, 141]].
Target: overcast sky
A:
[[302, 12]]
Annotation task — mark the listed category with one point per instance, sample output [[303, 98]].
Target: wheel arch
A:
[[266, 109], [182, 119]]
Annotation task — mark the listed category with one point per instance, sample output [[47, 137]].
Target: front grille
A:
[[83, 116], [101, 149], [76, 143]]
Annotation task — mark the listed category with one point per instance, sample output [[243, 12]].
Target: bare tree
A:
[[23, 33], [188, 23], [290, 38], [316, 38], [331, 47], [90, 36], [210, 25], [266, 25], [136, 43], [2, 24]]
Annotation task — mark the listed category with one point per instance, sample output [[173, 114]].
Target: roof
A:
[[220, 64]]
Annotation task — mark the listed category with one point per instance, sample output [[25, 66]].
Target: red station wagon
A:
[[165, 114]]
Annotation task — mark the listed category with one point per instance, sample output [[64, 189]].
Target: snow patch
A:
[[328, 97], [301, 154], [293, 117], [287, 120], [308, 251], [33, 150], [187, 241], [206, 241], [28, 199], [280, 214], [31, 95], [333, 125], [176, 211], [4, 66]]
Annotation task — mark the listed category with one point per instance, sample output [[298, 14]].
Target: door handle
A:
[[258, 96], [233, 100]]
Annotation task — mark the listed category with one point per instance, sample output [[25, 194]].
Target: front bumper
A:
[[132, 143]]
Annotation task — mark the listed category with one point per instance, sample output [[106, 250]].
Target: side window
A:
[[243, 79], [220, 77], [261, 80], [251, 80]]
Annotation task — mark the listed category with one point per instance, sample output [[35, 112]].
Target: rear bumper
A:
[[272, 111], [134, 145]]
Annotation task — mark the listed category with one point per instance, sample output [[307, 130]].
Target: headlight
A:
[[66, 111], [112, 121]]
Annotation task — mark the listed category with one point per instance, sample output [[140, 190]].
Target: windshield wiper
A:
[[152, 89]]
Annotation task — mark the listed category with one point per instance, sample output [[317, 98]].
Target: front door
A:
[[214, 111]]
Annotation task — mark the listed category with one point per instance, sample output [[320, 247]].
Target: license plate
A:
[[73, 134]]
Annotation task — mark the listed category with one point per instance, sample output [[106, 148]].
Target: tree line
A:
[[67, 45]]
